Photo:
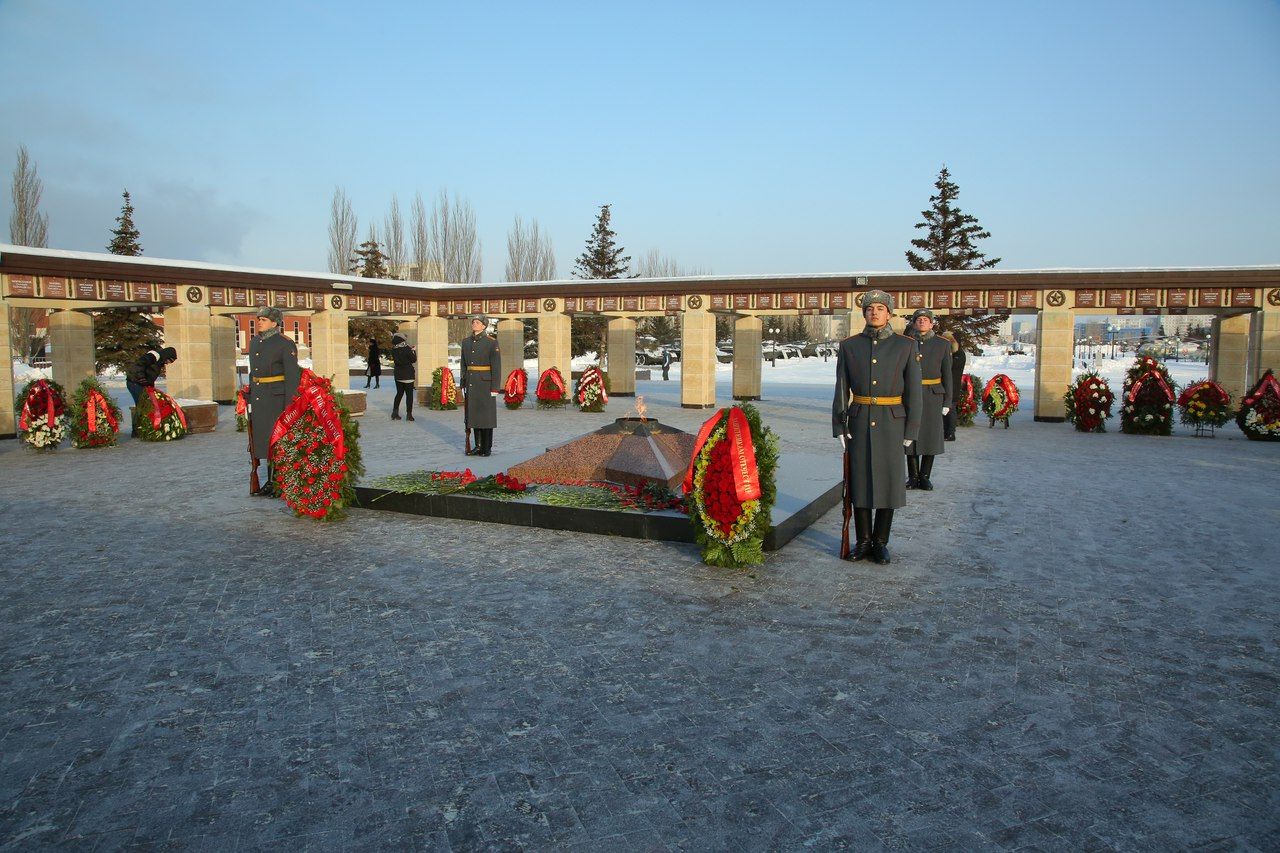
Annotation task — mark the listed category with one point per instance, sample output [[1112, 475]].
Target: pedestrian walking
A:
[[373, 373], [403, 357]]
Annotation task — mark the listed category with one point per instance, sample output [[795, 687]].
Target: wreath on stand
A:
[[242, 409], [999, 399], [444, 390], [515, 388], [315, 451], [591, 395], [1088, 402], [1205, 405], [1149, 394], [42, 414], [968, 400], [551, 392], [95, 417], [159, 417], [729, 487], [1259, 415]]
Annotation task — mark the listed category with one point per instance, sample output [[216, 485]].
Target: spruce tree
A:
[[950, 243], [370, 261], [121, 335], [601, 259]]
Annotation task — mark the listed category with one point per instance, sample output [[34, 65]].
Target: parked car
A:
[[724, 356]]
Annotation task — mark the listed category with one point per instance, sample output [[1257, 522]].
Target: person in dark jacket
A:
[[482, 383], [935, 376], [875, 414], [404, 357], [958, 359], [666, 365], [144, 373], [374, 371]]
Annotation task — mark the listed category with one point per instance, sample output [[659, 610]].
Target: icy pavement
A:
[[1075, 647]]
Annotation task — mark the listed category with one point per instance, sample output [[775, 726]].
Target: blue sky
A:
[[735, 137]]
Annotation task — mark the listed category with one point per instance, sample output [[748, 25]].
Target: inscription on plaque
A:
[[86, 288], [141, 291], [477, 306], [513, 306], [719, 302], [838, 300], [915, 299], [943, 299], [998, 299], [653, 303], [1211, 297], [217, 296], [168, 293], [1124, 312], [1177, 297], [591, 303], [609, 303], [789, 302], [971, 299], [631, 303], [1242, 296], [673, 303], [23, 285], [531, 306], [1026, 299], [741, 301], [1115, 298], [239, 297], [1086, 299], [812, 300], [115, 290], [494, 306], [765, 300], [280, 298], [261, 298], [458, 307], [1147, 297], [54, 288]]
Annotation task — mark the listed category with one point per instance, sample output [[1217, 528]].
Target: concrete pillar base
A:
[[8, 420], [71, 337], [698, 358], [433, 351], [1229, 358], [223, 356], [187, 328], [511, 345], [1055, 352], [555, 344], [622, 357], [330, 356], [747, 358]]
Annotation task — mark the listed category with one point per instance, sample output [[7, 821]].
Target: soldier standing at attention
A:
[[935, 377], [875, 414], [958, 359], [481, 378], [273, 382]]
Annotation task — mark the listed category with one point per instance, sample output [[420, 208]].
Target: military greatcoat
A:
[[481, 375], [273, 382], [936, 392], [873, 366]]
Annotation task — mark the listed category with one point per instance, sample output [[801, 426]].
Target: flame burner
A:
[[632, 451]]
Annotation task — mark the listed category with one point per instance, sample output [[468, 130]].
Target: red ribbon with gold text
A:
[[1147, 377], [42, 396], [162, 405], [746, 476], [446, 383], [315, 395], [97, 403], [1267, 385]]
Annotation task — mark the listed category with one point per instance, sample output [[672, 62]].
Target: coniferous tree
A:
[[601, 259], [950, 243], [120, 335], [370, 261]]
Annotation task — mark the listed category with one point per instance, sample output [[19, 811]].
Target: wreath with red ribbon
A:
[[729, 487], [551, 392], [242, 409], [591, 395], [969, 399], [42, 414], [159, 417], [1088, 403], [1149, 395], [315, 451], [95, 417], [1000, 399], [444, 390], [1259, 415], [1204, 403], [515, 388]]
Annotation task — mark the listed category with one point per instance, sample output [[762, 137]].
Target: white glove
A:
[[906, 442], [495, 393], [843, 441], [946, 410]]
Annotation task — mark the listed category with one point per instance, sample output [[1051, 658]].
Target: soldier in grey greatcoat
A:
[[482, 383], [876, 413], [273, 382], [935, 377], [958, 359]]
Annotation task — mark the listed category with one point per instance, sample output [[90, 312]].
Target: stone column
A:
[[1267, 346], [330, 355], [187, 329], [555, 343], [622, 357], [1229, 362], [71, 337], [223, 348], [747, 334], [8, 420], [698, 356], [432, 335], [855, 323], [1055, 351], [511, 344]]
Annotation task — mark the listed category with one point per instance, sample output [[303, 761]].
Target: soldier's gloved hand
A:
[[906, 442], [494, 393], [843, 441], [946, 410]]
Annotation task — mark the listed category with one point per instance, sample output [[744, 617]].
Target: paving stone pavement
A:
[[1074, 648]]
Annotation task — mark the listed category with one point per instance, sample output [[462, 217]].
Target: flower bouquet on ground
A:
[[551, 391], [1259, 415], [159, 417], [515, 388], [315, 451], [1204, 405], [999, 400], [729, 487], [591, 395], [1089, 402], [968, 400], [444, 390], [242, 409], [95, 417], [42, 414], [1149, 395]]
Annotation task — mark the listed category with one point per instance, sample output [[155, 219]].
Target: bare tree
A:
[[453, 248], [342, 232], [27, 227], [393, 230], [654, 264], [421, 241], [530, 256]]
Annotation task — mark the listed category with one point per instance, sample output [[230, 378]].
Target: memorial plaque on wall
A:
[[765, 300], [384, 304], [87, 288], [239, 297], [217, 296], [531, 306], [1026, 299], [719, 302], [261, 298], [477, 306], [1086, 299], [1241, 296], [168, 293], [789, 302], [971, 299], [609, 303], [1124, 312], [352, 303], [915, 299], [1180, 312], [513, 306], [115, 290], [942, 299], [839, 301], [24, 285], [1177, 297], [495, 306], [673, 303], [1115, 298], [631, 303], [54, 288], [812, 300], [280, 298], [141, 291], [571, 304], [591, 303], [458, 307], [1146, 297], [653, 303], [1151, 311], [1210, 297], [741, 301], [998, 299]]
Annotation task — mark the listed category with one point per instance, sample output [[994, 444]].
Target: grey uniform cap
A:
[[922, 312], [273, 313], [482, 318], [873, 296]]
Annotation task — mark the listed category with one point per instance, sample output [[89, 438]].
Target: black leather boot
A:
[[926, 468], [862, 532], [486, 442], [880, 537], [913, 471], [268, 489]]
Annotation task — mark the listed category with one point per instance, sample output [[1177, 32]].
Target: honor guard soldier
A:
[[958, 359], [481, 381], [876, 413], [273, 382], [935, 379]]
